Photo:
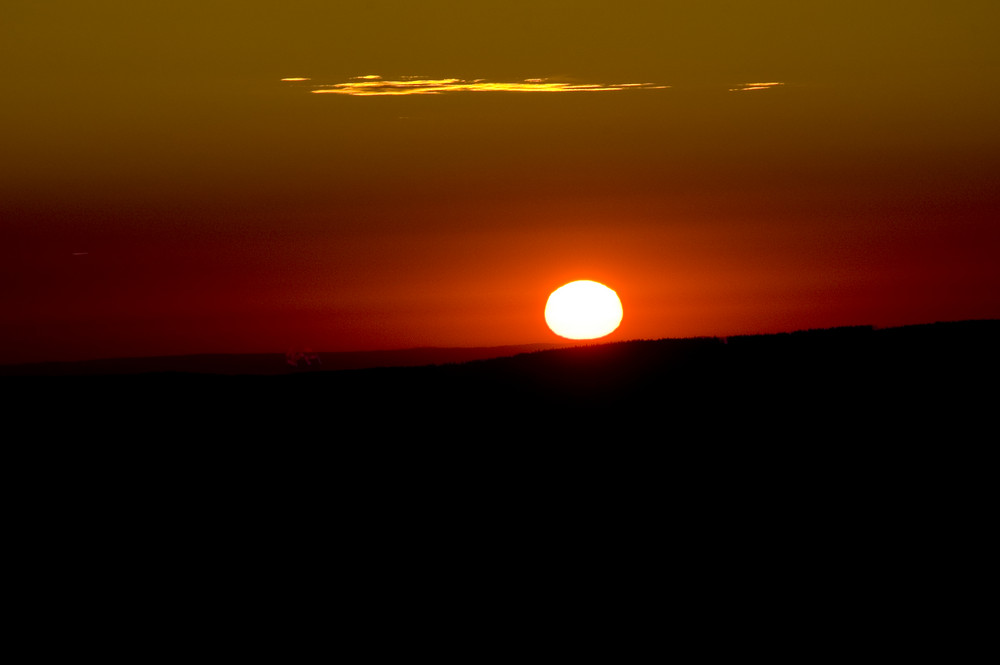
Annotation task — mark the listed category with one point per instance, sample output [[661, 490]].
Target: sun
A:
[[583, 310]]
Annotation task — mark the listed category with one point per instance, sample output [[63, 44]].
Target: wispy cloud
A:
[[744, 87], [370, 85]]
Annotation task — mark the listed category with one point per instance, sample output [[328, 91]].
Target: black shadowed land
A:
[[808, 476], [807, 385]]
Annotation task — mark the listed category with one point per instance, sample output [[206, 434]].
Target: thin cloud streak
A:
[[744, 87], [371, 85]]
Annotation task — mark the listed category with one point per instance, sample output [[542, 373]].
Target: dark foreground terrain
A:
[[849, 383], [799, 494]]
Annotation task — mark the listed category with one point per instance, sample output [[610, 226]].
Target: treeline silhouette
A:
[[811, 382], [824, 363]]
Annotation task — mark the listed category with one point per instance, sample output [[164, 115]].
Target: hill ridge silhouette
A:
[[851, 383], [939, 334]]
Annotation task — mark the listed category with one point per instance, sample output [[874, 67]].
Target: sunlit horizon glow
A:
[[373, 85]]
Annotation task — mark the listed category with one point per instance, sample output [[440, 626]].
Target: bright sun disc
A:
[[583, 310]]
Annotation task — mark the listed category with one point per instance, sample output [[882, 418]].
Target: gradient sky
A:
[[165, 191]]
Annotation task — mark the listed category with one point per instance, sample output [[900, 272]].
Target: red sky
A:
[[164, 191]]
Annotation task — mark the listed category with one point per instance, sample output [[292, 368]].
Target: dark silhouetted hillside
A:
[[269, 364], [845, 460], [857, 382]]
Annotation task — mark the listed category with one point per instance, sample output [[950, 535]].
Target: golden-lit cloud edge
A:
[[370, 85], [745, 87]]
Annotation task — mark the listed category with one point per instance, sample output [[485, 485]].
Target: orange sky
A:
[[164, 191]]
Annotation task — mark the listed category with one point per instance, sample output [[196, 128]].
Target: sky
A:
[[204, 177]]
